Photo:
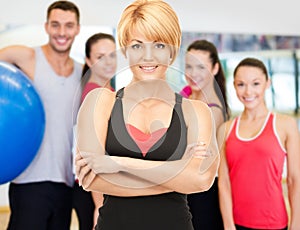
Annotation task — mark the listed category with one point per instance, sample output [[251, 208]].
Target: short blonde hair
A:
[[155, 19]]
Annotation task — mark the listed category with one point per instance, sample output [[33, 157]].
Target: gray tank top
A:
[[61, 97]]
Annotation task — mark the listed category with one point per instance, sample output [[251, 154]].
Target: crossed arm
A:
[[124, 176]]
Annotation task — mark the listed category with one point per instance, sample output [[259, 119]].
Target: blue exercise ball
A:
[[22, 122]]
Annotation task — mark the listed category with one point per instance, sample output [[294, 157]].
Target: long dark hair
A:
[[220, 80]]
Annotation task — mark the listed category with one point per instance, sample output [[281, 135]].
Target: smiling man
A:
[[41, 196]]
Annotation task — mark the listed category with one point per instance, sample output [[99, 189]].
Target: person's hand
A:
[[100, 163], [83, 172], [197, 150]]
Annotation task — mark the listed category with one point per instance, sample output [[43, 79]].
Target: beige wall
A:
[[232, 16]]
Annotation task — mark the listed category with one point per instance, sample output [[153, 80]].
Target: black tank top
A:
[[164, 211]]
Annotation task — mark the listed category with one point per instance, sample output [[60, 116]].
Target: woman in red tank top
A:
[[253, 147]]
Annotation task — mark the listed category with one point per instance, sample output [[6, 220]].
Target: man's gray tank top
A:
[[61, 97]]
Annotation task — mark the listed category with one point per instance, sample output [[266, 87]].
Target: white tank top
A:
[[61, 97]]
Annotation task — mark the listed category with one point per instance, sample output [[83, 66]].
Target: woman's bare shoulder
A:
[[98, 98], [286, 122], [280, 117], [99, 95], [226, 126], [195, 105]]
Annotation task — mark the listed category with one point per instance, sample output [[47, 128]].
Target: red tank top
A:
[[255, 168]]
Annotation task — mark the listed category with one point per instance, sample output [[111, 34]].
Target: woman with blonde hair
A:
[[144, 146]]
